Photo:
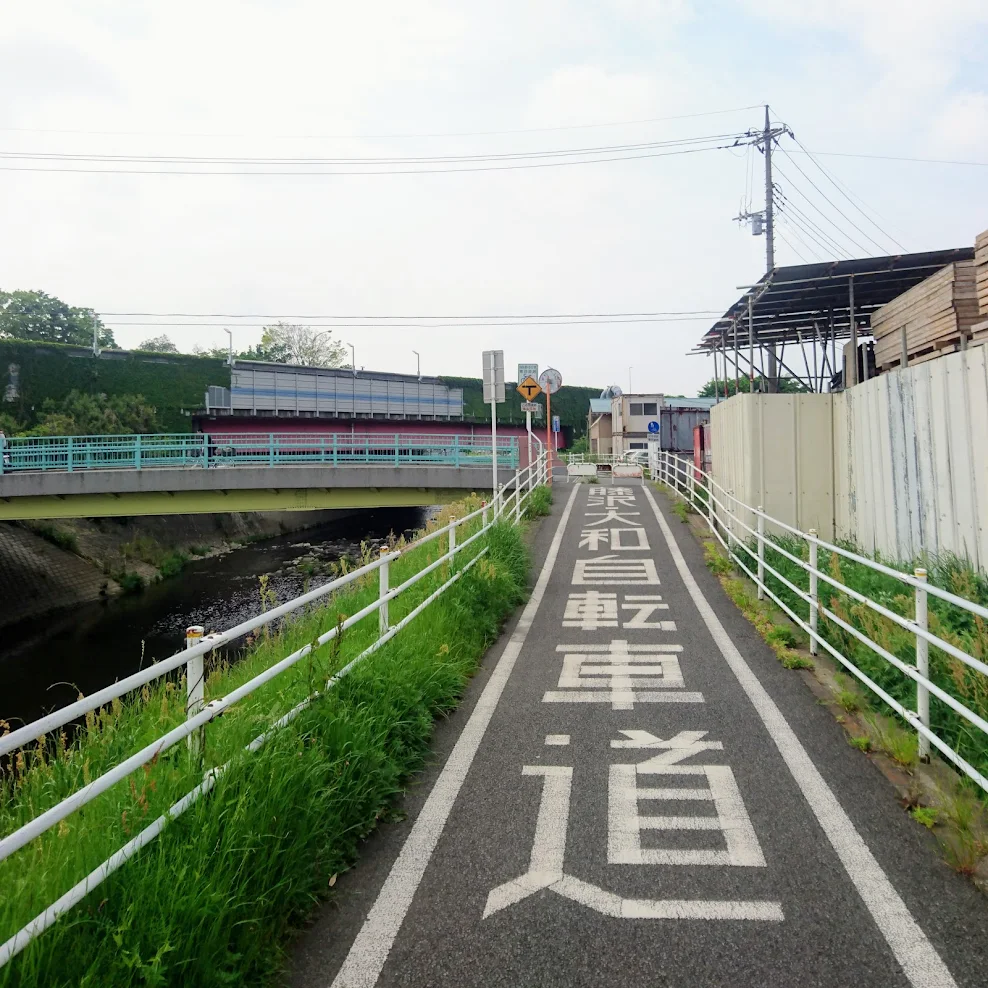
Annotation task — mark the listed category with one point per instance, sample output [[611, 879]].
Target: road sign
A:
[[530, 406], [529, 389], [493, 375], [528, 370], [555, 423], [550, 380], [653, 427]]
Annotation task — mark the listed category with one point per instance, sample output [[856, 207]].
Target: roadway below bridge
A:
[[169, 491], [636, 793]]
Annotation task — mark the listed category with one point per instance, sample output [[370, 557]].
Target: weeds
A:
[[926, 815], [60, 537], [214, 898], [862, 743], [539, 502], [682, 511], [845, 697]]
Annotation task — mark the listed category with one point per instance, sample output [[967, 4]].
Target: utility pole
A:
[[764, 222]]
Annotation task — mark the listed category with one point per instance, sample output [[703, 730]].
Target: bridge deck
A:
[[637, 793]]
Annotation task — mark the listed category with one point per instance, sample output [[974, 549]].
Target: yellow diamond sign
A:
[[529, 389]]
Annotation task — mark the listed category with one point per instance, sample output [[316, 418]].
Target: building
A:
[[620, 424]]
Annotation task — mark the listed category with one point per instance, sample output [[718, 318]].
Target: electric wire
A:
[[494, 315], [894, 157], [782, 237], [844, 234], [798, 218], [863, 233], [794, 230], [845, 192], [409, 325]]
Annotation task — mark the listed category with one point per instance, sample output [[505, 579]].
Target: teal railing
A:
[[77, 453]]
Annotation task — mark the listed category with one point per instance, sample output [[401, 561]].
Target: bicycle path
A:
[[636, 793]]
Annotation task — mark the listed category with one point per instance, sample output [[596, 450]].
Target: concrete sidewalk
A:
[[636, 793]]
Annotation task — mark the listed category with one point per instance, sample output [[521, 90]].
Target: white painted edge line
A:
[[917, 957], [370, 948]]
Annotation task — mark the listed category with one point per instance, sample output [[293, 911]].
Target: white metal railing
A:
[[724, 514], [506, 504]]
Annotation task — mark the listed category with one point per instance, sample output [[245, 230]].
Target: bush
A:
[[172, 564], [131, 582], [539, 502]]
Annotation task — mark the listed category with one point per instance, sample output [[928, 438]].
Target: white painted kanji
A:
[[621, 674], [594, 538], [628, 539], [613, 515], [611, 570], [625, 824], [619, 539], [611, 497], [642, 608], [545, 869], [591, 610]]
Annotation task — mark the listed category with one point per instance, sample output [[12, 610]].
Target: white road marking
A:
[[917, 957], [636, 541], [609, 514], [591, 610], [557, 739], [645, 607], [610, 570], [371, 946]]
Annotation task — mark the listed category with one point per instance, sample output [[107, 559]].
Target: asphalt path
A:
[[635, 792]]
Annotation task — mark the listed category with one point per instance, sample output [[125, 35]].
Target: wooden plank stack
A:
[[980, 329], [936, 313]]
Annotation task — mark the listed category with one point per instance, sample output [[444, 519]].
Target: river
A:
[[47, 661]]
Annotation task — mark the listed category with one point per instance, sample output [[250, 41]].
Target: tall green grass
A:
[[953, 624], [214, 899]]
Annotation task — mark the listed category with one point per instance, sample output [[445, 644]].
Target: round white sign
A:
[[550, 380]]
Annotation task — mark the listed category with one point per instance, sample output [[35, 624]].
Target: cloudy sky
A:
[[277, 79]]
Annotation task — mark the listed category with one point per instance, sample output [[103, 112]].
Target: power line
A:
[[793, 249], [849, 195], [819, 236], [496, 315], [407, 171], [796, 233], [795, 188], [833, 204], [893, 157], [380, 137]]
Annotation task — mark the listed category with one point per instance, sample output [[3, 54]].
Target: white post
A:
[[517, 499], [383, 619], [483, 514], [813, 590], [452, 542], [922, 665], [494, 445], [528, 430], [761, 554], [710, 504], [194, 685]]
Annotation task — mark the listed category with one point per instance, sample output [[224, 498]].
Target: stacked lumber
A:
[[981, 270], [936, 313]]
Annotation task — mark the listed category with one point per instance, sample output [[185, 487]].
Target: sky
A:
[[280, 79]]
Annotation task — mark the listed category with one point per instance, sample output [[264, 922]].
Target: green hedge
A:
[[174, 384]]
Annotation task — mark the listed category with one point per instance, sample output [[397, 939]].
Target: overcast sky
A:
[[277, 79]]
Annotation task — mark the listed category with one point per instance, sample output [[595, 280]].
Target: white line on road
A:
[[916, 955], [370, 948]]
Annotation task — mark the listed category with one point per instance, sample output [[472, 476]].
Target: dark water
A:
[[46, 662]]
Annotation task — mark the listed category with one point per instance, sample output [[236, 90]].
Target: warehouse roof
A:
[[790, 301], [600, 406]]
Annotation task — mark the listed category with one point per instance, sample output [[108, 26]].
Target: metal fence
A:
[[77, 453], [747, 545], [507, 506]]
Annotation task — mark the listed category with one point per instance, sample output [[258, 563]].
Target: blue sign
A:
[[555, 423], [653, 427]]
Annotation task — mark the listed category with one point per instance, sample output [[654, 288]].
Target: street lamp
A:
[[229, 357], [418, 364], [353, 358]]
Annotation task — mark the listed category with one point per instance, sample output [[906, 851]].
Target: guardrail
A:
[[507, 505], [186, 450], [723, 512]]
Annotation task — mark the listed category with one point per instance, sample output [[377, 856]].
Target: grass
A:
[[200, 550], [539, 502], [955, 625], [214, 900], [130, 582], [926, 815], [60, 537], [682, 511], [862, 743]]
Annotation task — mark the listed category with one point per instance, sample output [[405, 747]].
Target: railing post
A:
[[710, 505], [483, 514], [137, 452], [194, 686], [813, 591], [452, 541], [922, 664], [383, 622], [456, 451], [335, 449], [70, 455], [270, 449], [397, 440], [517, 500], [761, 554]]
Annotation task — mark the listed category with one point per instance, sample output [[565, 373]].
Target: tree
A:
[[159, 344], [82, 414], [37, 316], [294, 343], [714, 388]]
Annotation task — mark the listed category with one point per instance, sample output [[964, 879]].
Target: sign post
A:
[[529, 389], [494, 392], [550, 381]]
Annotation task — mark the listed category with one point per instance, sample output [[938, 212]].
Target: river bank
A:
[[48, 658], [51, 565]]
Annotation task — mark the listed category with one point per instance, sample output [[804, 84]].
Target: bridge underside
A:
[[110, 493]]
